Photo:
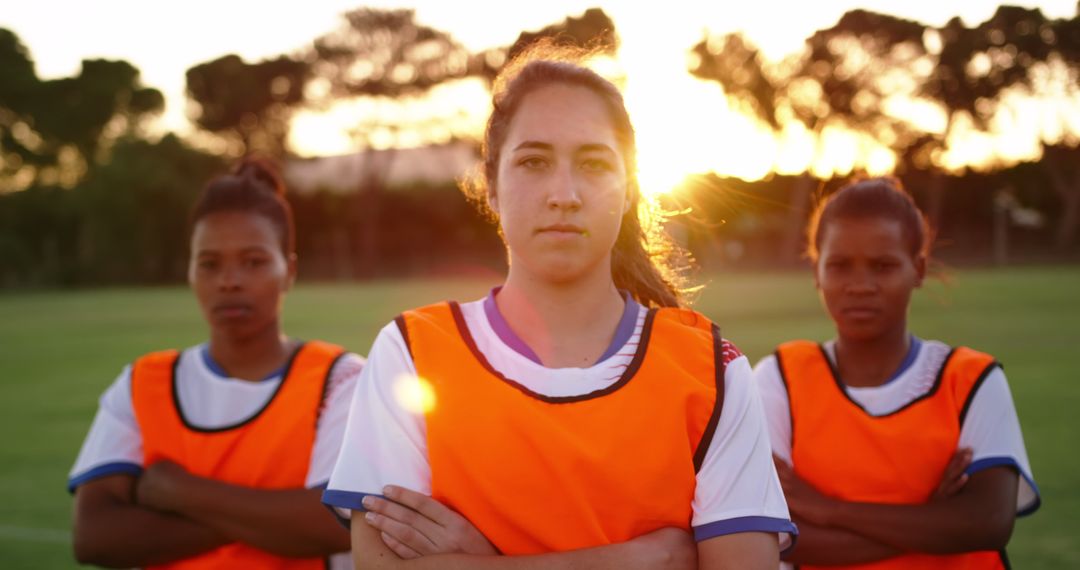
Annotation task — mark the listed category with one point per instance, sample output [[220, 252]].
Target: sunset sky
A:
[[163, 39]]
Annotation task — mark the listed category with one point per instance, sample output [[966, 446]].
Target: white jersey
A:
[[387, 444], [991, 428], [209, 400]]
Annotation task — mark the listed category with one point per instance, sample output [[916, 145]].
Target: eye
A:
[[596, 165], [255, 262], [533, 162], [884, 265], [207, 264]]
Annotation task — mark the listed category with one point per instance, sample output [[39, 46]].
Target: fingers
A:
[[955, 478], [402, 534], [955, 486], [403, 551], [422, 504]]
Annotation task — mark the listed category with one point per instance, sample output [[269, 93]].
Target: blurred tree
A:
[[852, 72], [52, 131], [248, 103], [133, 224]]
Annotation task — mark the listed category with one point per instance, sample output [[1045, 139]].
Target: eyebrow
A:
[[588, 147], [243, 251]]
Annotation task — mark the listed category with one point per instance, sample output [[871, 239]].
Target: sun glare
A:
[[414, 394]]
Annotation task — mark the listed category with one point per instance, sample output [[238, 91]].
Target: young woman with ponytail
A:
[[578, 416], [215, 456]]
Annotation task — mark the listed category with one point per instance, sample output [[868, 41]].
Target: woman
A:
[[576, 416], [215, 456], [894, 452]]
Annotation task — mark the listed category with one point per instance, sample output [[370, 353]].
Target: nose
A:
[[229, 278], [862, 283], [564, 192]]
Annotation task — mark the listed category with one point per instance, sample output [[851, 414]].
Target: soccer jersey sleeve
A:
[[332, 418], [774, 400], [384, 442], [114, 443], [737, 487], [991, 429]]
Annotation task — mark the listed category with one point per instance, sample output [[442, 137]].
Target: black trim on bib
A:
[[631, 369], [243, 422], [975, 389], [929, 393], [719, 368], [787, 389], [404, 328], [326, 387]]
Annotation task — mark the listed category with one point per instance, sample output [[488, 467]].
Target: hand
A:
[[802, 498], [674, 548], [954, 477], [415, 525], [159, 486]]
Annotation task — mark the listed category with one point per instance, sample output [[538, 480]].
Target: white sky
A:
[[163, 39]]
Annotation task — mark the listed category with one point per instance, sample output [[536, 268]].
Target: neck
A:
[[252, 357], [871, 362], [565, 324]]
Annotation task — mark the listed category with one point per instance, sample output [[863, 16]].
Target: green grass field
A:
[[59, 350]]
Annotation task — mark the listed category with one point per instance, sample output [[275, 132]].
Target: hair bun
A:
[[260, 173]]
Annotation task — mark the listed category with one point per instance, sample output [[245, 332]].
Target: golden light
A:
[[414, 394], [683, 124]]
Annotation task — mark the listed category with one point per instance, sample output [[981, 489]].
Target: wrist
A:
[[182, 492], [833, 513]]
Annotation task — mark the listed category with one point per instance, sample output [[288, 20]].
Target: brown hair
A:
[[872, 198], [253, 186], [645, 261]]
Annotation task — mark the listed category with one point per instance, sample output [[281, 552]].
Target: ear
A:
[[920, 270], [291, 270]]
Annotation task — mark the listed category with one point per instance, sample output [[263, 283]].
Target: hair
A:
[[882, 198], [645, 261], [253, 186]]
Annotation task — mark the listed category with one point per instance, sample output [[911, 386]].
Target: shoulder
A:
[[344, 372]]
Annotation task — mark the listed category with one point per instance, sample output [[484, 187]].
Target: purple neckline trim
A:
[[623, 331]]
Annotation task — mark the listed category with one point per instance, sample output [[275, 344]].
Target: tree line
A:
[[87, 196]]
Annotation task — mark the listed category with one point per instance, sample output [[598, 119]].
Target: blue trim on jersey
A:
[[747, 524], [1006, 461], [909, 359], [204, 351], [347, 499], [119, 467], [623, 331]]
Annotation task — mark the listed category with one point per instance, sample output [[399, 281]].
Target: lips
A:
[[568, 229], [860, 313], [232, 310]]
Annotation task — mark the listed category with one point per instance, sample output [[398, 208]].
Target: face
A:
[[239, 273], [561, 188], [865, 275]]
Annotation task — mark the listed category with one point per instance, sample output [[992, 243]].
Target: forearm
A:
[[834, 546], [369, 551], [935, 528], [289, 522], [121, 535], [980, 517]]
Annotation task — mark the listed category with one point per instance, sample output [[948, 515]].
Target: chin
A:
[[860, 332]]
